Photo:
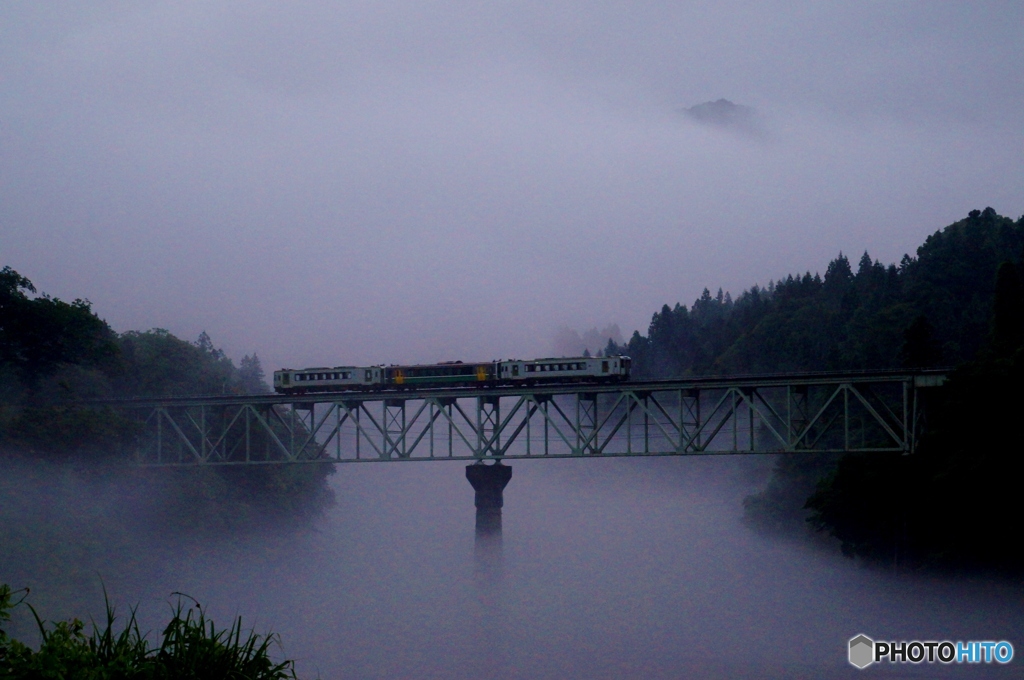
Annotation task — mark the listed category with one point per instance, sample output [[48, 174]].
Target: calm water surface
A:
[[607, 569]]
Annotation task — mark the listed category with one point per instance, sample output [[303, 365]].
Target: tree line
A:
[[958, 303], [54, 355]]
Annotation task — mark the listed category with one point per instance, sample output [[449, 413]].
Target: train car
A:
[[553, 370], [565, 369], [336, 379], [451, 374]]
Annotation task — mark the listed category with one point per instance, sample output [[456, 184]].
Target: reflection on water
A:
[[603, 569]]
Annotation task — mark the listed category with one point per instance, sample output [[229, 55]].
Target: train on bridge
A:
[[453, 374]]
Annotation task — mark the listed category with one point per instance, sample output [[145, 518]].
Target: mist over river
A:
[[609, 568]]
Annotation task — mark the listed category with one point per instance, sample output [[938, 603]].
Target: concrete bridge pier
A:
[[489, 482]]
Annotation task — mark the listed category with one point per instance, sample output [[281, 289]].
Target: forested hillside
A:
[[54, 354], [958, 303], [932, 309]]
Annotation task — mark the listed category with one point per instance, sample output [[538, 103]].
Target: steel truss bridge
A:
[[799, 413]]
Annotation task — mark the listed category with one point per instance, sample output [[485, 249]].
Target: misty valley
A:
[[754, 566]]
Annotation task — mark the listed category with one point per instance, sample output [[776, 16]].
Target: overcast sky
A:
[[350, 182]]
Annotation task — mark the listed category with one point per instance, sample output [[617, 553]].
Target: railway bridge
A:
[[879, 411], [772, 414]]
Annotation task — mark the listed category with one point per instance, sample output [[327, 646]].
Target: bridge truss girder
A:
[[705, 417]]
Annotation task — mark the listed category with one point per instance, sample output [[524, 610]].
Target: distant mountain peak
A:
[[721, 112]]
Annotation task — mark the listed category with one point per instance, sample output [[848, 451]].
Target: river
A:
[[608, 568]]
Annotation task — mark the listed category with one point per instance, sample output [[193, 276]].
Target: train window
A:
[[604, 366], [367, 378]]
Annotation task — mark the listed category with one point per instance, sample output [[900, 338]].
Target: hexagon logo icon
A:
[[862, 651]]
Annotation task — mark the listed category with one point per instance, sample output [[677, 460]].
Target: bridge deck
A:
[[794, 413]]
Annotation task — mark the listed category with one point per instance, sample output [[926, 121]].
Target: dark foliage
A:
[[934, 309], [960, 301], [54, 356], [956, 502], [37, 335], [920, 350], [1008, 311], [191, 648]]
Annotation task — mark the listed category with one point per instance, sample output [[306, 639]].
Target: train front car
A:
[[452, 374], [565, 369], [337, 379]]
